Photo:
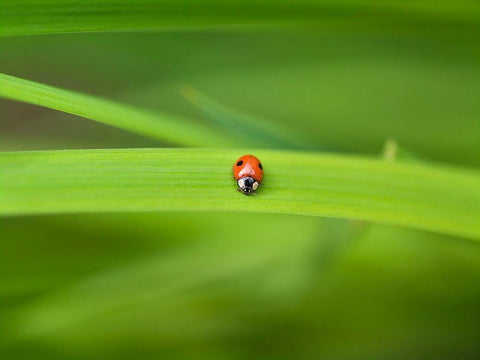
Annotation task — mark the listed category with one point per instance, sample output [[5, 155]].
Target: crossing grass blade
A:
[[436, 198], [251, 129], [166, 127]]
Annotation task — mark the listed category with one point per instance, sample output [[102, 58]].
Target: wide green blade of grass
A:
[[26, 17], [169, 128], [441, 199]]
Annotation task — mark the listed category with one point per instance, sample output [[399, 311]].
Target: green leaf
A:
[[441, 199], [165, 127], [26, 17]]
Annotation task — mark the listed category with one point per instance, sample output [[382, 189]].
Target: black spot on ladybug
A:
[[240, 163], [260, 166]]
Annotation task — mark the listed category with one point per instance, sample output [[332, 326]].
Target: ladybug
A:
[[248, 171]]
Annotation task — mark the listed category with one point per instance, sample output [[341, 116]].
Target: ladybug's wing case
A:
[[247, 170], [248, 166]]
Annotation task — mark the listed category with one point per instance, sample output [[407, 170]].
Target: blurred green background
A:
[[237, 286]]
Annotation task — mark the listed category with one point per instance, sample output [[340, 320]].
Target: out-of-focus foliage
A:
[[33, 17], [194, 286], [350, 91], [344, 75]]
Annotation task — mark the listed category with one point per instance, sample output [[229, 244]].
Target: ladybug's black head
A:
[[247, 185]]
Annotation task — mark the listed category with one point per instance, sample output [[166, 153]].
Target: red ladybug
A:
[[248, 171]]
